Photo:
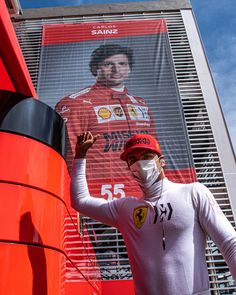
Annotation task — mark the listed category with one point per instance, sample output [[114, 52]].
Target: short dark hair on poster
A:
[[105, 51]]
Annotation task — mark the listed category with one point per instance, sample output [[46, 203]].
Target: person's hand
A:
[[84, 142]]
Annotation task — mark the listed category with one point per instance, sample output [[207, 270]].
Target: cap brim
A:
[[124, 155]]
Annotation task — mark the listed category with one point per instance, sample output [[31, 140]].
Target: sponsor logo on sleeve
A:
[[213, 203], [64, 110]]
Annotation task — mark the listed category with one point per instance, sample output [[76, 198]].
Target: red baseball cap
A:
[[137, 141]]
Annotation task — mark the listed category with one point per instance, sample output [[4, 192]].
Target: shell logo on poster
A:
[[104, 113]]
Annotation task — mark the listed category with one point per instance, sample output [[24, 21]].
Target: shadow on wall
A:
[[36, 254]]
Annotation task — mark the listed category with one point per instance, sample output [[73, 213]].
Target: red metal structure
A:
[[34, 190]]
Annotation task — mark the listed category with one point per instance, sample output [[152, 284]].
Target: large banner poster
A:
[[115, 79]]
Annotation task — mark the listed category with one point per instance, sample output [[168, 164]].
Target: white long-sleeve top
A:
[[165, 235]]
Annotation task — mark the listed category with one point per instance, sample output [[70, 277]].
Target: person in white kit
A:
[[164, 231]]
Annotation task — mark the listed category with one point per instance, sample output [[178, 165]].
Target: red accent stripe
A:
[[60, 34]]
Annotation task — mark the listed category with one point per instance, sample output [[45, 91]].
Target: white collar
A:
[[155, 191], [118, 89]]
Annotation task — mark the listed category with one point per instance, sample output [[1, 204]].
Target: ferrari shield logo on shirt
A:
[[138, 113], [139, 216], [108, 113]]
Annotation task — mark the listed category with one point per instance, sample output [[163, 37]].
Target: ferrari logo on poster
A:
[[132, 111], [139, 216], [138, 113]]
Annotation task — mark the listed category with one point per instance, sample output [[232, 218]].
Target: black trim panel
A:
[[33, 118]]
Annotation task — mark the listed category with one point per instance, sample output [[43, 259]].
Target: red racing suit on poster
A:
[[115, 116]]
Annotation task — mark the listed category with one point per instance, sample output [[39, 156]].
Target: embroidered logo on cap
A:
[[136, 141]]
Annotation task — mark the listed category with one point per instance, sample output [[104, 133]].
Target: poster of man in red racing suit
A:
[[108, 109]]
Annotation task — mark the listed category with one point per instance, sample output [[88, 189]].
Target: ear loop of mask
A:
[[163, 237], [162, 222]]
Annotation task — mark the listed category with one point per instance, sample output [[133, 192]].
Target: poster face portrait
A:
[[115, 79]]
